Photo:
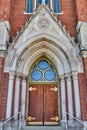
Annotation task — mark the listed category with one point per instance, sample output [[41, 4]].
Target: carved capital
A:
[[74, 75], [68, 77], [61, 77], [84, 54], [11, 74]]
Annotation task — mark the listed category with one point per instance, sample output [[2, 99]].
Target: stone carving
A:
[[43, 23]]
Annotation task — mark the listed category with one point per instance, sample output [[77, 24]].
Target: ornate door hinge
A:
[[31, 118], [54, 89], [54, 118], [31, 89]]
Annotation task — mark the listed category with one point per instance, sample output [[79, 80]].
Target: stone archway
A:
[[53, 42]]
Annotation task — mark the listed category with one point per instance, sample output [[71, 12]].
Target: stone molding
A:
[[4, 35], [82, 34]]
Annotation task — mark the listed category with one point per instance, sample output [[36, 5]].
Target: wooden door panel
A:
[[36, 104], [50, 104], [43, 104]]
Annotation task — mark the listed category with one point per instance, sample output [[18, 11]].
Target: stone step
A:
[[43, 128]]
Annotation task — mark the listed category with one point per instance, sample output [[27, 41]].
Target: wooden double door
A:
[[43, 104]]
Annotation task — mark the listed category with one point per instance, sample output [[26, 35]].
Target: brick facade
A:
[[3, 90]]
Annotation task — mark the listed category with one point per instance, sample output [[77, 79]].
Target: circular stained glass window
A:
[[43, 65], [50, 75], [36, 75]]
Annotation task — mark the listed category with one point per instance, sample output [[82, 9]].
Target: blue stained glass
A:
[[46, 2], [29, 6], [57, 6], [36, 75], [50, 75], [40, 1], [43, 64]]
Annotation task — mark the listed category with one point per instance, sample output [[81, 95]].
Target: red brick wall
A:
[[18, 18], [83, 90], [5, 9], [81, 10], [83, 96], [1, 71], [69, 17], [3, 90]]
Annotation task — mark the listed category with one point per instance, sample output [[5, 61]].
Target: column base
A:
[[63, 122]]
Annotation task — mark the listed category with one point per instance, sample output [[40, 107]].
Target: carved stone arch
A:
[[58, 40], [43, 47]]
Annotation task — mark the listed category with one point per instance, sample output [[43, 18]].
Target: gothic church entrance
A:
[[43, 94]]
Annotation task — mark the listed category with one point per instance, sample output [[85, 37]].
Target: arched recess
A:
[[43, 100]]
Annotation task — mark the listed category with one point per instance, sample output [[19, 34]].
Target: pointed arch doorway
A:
[[43, 94]]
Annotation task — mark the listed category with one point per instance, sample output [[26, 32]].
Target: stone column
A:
[[43, 1], [23, 98], [76, 94], [10, 92], [16, 100], [51, 4], [63, 96], [69, 94], [35, 3]]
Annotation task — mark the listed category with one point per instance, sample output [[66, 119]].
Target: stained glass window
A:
[[43, 65], [57, 6], [36, 75], [50, 75], [40, 1], [43, 70], [29, 6], [33, 4]]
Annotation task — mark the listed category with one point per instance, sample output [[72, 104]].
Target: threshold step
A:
[[43, 128]]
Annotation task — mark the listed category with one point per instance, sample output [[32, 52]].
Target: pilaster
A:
[[69, 93], [9, 97], [77, 96], [23, 97], [16, 100]]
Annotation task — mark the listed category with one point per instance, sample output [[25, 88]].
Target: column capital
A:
[[75, 75], [68, 76], [11, 74], [24, 77], [61, 77]]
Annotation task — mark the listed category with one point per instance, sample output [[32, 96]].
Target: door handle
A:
[[54, 118], [30, 118], [31, 89]]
